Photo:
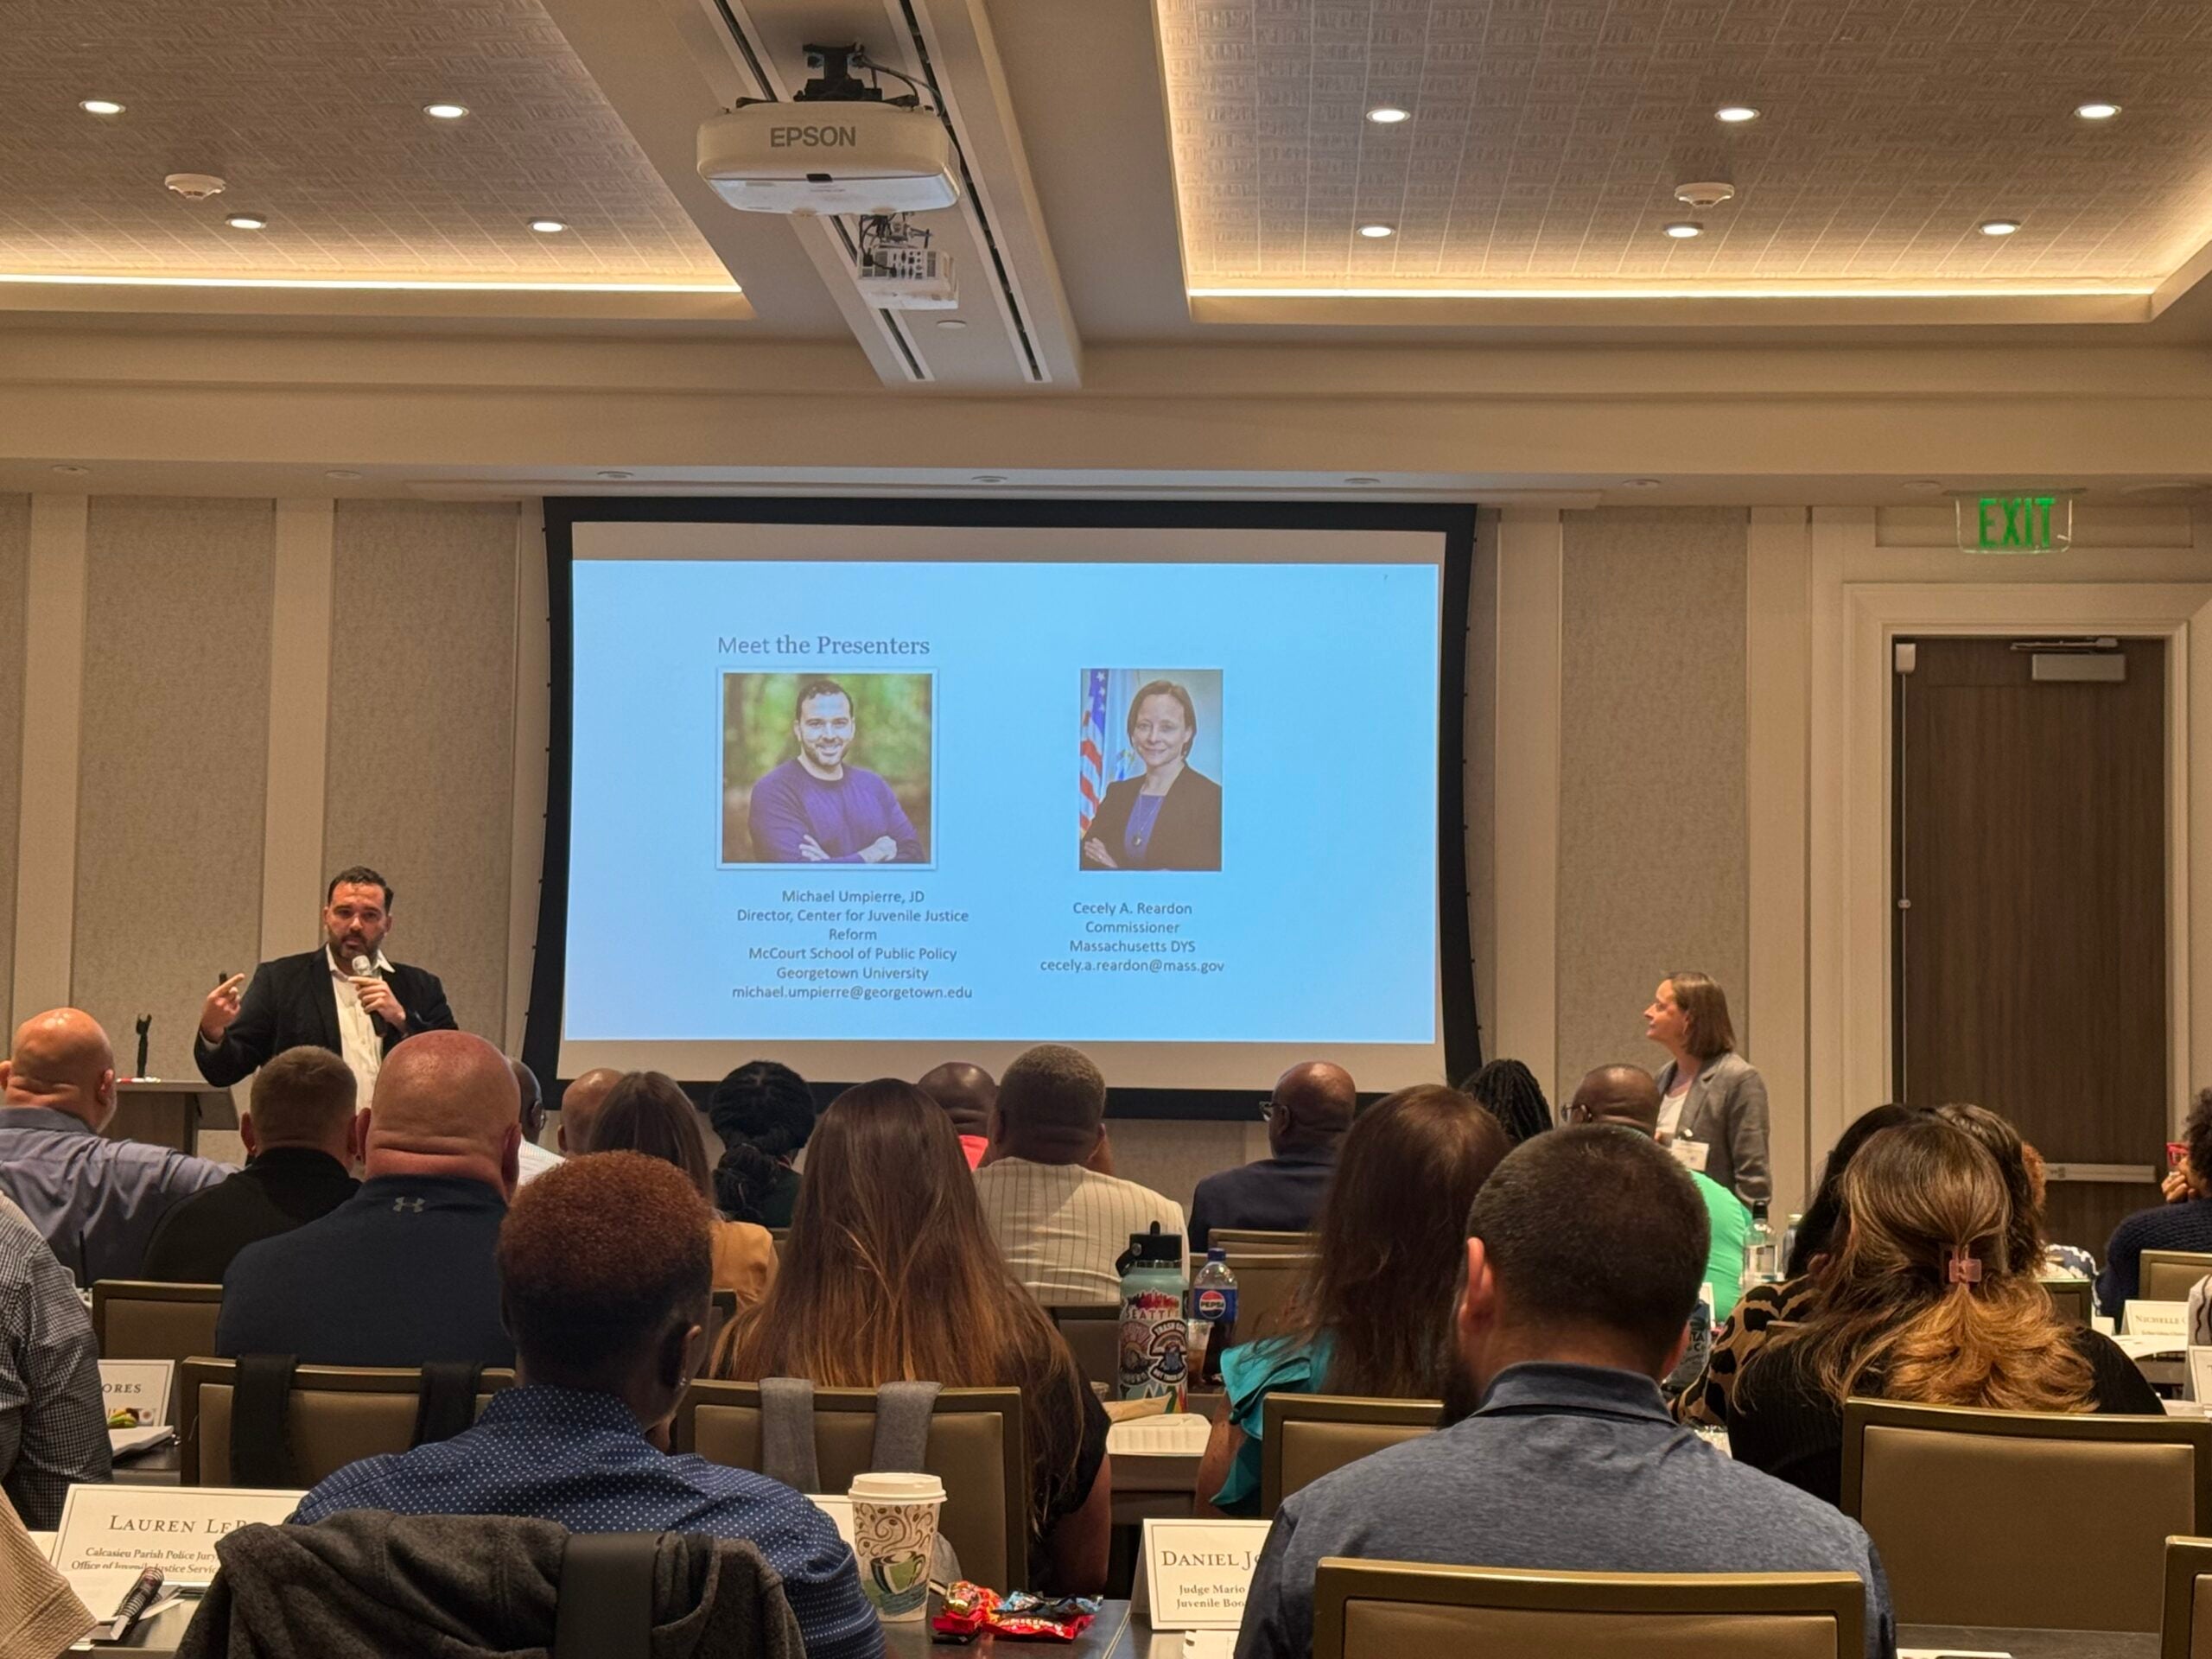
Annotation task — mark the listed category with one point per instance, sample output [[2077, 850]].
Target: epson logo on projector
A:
[[813, 137]]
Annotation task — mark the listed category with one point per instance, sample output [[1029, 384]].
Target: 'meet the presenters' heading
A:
[[821, 644]]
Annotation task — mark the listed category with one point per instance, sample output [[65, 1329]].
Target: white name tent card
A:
[[2138, 1319], [140, 1386], [839, 1508], [2200, 1376], [1197, 1572], [109, 1534]]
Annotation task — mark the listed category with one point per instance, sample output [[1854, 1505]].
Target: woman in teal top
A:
[[1373, 1317]]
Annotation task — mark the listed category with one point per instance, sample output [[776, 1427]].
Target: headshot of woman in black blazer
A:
[[1170, 818]]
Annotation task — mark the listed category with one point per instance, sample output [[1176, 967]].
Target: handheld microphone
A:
[[363, 967]]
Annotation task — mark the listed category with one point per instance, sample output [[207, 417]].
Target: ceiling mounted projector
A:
[[828, 156]]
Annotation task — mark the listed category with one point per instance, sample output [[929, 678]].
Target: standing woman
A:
[[1170, 818], [1711, 1100]]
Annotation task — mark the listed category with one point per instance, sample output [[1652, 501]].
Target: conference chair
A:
[[1941, 1490], [1249, 1239], [1387, 1610], [2170, 1275], [721, 1309], [976, 1447], [1305, 1436], [333, 1415], [1093, 1333], [2186, 1630], [1266, 1279], [141, 1318], [2071, 1299]]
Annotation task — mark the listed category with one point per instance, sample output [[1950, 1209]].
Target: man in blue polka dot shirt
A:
[[605, 1268]]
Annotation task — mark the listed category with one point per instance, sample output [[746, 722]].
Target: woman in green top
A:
[[1373, 1316], [764, 1113]]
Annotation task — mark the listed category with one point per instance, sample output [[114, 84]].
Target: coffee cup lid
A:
[[898, 1488]]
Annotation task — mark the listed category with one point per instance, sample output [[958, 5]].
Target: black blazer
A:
[[291, 1004], [1187, 835]]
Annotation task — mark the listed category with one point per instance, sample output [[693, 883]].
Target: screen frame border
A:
[[1455, 524]]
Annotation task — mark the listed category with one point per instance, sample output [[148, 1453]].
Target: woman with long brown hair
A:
[[1711, 1100], [1923, 1301], [890, 1275], [1374, 1315]]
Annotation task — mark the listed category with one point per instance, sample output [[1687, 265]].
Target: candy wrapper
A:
[[970, 1610]]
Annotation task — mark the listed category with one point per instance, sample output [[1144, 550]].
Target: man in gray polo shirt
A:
[[1585, 1252]]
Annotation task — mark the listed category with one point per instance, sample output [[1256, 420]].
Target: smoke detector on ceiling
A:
[[1704, 193], [195, 187]]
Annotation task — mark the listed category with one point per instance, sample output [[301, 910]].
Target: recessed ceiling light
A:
[[68, 470], [1378, 231], [990, 478], [1999, 226], [547, 226], [445, 112], [1682, 230], [954, 324], [342, 472], [1389, 115], [612, 473], [100, 106], [1926, 486], [1362, 478], [1639, 483], [246, 222], [2096, 110], [1735, 114]]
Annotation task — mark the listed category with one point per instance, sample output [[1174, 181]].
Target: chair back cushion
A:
[[1265, 1280], [328, 1426], [1312, 1449], [1394, 1629], [1095, 1341], [2170, 1275]]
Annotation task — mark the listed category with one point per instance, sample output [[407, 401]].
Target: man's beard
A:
[[1461, 1397]]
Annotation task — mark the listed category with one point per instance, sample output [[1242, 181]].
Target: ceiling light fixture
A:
[[952, 324], [613, 473], [68, 470], [100, 106], [1389, 115], [1362, 478], [1735, 114], [1926, 486], [360, 284], [445, 112], [547, 226], [2096, 110], [1999, 226], [1639, 483], [1376, 232], [990, 478], [1682, 230], [246, 222], [341, 473]]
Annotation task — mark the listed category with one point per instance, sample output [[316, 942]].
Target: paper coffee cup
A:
[[894, 1538]]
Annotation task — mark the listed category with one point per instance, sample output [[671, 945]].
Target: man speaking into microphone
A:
[[344, 997]]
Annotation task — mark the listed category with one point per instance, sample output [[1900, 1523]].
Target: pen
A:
[[135, 1599]]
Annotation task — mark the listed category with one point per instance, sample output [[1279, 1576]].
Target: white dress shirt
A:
[[359, 1031]]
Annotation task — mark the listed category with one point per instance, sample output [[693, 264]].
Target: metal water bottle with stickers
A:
[[1156, 1336]]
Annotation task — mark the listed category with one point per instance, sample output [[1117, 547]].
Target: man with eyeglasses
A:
[[1306, 1116]]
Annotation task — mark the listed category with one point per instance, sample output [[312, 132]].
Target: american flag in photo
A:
[[1093, 781]]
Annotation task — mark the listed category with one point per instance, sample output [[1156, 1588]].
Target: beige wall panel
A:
[[1652, 794], [15, 562], [175, 748], [422, 734], [1482, 777]]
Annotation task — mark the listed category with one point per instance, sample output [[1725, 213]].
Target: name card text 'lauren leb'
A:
[[1197, 1572], [109, 1534]]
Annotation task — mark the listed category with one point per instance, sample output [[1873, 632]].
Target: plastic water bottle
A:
[[1762, 1255], [1213, 1313], [1156, 1336]]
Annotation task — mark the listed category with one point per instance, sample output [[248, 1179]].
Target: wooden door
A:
[[2030, 841]]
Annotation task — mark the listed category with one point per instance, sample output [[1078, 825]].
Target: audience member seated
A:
[[531, 1160], [95, 1201], [2024, 1186], [1508, 1091], [606, 1264], [649, 1112], [1585, 1255], [764, 1113], [403, 1272], [1374, 1315], [39, 1616], [890, 1276], [580, 1104], [2183, 1222], [1061, 1224], [1629, 1096], [53, 1425], [1707, 1400], [1307, 1114], [302, 1138], [969, 1097], [2059, 1261], [1921, 1302]]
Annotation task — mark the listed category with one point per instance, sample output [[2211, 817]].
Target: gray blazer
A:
[[1727, 1111]]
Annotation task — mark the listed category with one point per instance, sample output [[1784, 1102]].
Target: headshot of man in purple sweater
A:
[[817, 808]]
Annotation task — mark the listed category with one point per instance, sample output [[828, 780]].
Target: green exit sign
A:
[[2015, 524]]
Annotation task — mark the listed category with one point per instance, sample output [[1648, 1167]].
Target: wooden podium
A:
[[171, 1114]]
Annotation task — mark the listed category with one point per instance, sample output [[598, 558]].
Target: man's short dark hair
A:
[[358, 875], [303, 1094], [1054, 1096], [596, 1257], [1595, 1229], [814, 689]]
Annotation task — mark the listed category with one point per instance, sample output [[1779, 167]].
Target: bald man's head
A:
[[1618, 1094], [967, 1093], [446, 1104], [580, 1104], [62, 1060], [1312, 1107]]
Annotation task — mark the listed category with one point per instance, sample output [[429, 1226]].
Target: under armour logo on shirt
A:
[[401, 1206]]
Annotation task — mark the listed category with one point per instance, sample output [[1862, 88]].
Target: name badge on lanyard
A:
[[1690, 1154]]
